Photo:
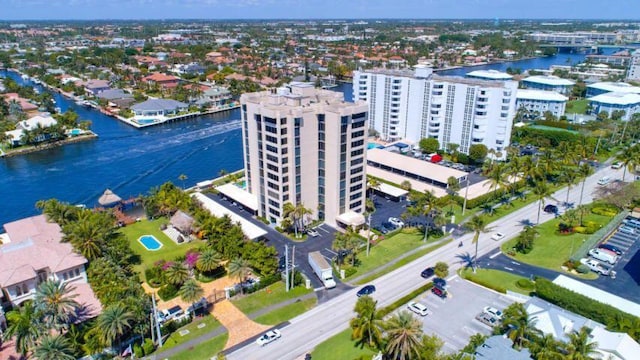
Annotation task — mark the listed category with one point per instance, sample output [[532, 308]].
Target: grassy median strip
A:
[[499, 280], [287, 312], [272, 294], [340, 346]]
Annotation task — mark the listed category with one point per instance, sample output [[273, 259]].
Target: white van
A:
[[603, 256], [604, 181]]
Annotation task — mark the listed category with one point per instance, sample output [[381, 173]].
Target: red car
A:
[[439, 292]]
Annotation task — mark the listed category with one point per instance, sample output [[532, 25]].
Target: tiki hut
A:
[[182, 222], [109, 199]]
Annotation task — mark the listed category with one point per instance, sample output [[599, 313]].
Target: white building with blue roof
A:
[[548, 83]]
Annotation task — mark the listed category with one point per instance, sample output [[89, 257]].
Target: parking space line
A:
[[330, 251], [450, 278]]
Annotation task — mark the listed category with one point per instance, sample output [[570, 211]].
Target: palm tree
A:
[[113, 323], [497, 176], [25, 325], [453, 186], [54, 348], [182, 177], [581, 347], [208, 260], [239, 269], [542, 191], [629, 157], [547, 348], [569, 177], [423, 206], [522, 326], [57, 305], [191, 291], [404, 336], [177, 273], [584, 170], [347, 241], [478, 225], [368, 324]]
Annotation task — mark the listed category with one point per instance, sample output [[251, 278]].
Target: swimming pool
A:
[[374, 146], [150, 242], [145, 121], [76, 131]]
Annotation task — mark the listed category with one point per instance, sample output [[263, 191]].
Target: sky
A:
[[317, 9]]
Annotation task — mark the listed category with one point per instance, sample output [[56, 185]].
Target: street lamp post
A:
[[368, 233]]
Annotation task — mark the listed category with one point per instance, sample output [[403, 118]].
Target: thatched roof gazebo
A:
[[109, 199], [182, 222]]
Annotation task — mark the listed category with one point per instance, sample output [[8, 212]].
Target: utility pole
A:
[[286, 267], [155, 318], [466, 192], [293, 267], [368, 233]]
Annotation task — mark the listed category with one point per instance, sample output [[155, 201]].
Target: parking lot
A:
[[453, 319]]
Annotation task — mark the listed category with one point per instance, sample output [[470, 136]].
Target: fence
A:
[[597, 236]]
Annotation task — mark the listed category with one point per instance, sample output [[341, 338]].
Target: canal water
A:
[[131, 161]]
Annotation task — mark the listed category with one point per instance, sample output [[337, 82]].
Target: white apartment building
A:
[[306, 145], [634, 66], [404, 104], [537, 102]]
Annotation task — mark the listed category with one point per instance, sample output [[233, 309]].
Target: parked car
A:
[[596, 266], [497, 236], [418, 308], [487, 319], [611, 248], [268, 337], [604, 181], [439, 292], [627, 229], [441, 283], [197, 307], [428, 272], [170, 314], [396, 222], [551, 209], [313, 232], [603, 255], [493, 312], [617, 165], [367, 290]]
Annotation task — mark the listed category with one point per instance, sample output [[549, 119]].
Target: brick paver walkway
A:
[[239, 326]]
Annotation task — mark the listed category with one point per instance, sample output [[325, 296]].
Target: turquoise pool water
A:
[[241, 184], [75, 131], [145, 121], [371, 146], [150, 242]]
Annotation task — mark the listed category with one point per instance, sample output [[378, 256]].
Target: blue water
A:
[[150, 242], [131, 161]]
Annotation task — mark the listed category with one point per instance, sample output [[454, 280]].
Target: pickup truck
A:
[[596, 266]]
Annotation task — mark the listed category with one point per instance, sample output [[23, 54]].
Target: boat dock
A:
[[137, 125]]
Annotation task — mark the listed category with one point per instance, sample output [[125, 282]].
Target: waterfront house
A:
[[31, 252], [548, 83], [15, 136], [158, 107], [95, 86], [117, 97], [162, 80], [21, 104], [215, 97]]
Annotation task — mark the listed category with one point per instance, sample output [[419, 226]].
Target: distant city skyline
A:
[[15, 10]]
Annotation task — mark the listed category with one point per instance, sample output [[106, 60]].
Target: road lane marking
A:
[[508, 268], [515, 263], [494, 255]]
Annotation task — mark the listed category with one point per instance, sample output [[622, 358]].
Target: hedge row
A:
[[405, 299], [583, 305]]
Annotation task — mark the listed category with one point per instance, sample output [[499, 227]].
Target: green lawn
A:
[[270, 295], [286, 312], [210, 323], [204, 350], [168, 251], [340, 346], [551, 250], [495, 279], [387, 250], [577, 106]]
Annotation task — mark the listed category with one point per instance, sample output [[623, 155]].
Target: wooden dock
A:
[[137, 125]]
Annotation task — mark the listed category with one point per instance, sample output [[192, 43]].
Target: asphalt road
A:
[[308, 330]]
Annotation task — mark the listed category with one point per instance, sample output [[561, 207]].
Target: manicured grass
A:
[[340, 346], [168, 251], [550, 249], [175, 338], [401, 262], [270, 295], [286, 312], [387, 250], [577, 106], [204, 350], [495, 279]]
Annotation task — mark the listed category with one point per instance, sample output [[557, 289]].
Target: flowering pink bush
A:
[[191, 258], [167, 265]]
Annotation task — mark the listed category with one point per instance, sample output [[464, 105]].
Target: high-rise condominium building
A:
[[306, 146], [634, 67], [404, 104]]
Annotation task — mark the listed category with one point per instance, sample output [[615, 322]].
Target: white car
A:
[[493, 312], [268, 337], [497, 236], [396, 222], [313, 232], [418, 308]]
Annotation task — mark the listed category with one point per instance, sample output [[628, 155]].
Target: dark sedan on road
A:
[[428, 272], [367, 290]]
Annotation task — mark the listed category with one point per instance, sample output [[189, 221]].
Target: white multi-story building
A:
[[537, 102], [306, 145], [616, 101], [413, 105], [548, 83], [634, 66]]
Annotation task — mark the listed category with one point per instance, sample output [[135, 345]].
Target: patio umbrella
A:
[[108, 198]]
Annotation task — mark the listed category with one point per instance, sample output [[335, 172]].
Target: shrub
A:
[[137, 351], [580, 229], [153, 273], [583, 269], [168, 292], [350, 271], [405, 299], [605, 210], [148, 346], [525, 284]]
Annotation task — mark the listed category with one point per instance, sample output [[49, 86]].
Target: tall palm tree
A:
[[404, 336], [478, 225], [581, 347], [547, 348], [629, 157], [208, 260], [584, 170], [423, 205], [114, 322], [191, 291], [569, 177], [25, 325], [367, 326], [497, 176], [54, 347], [177, 273], [182, 177], [239, 269], [542, 191], [522, 326], [54, 300], [453, 186]]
